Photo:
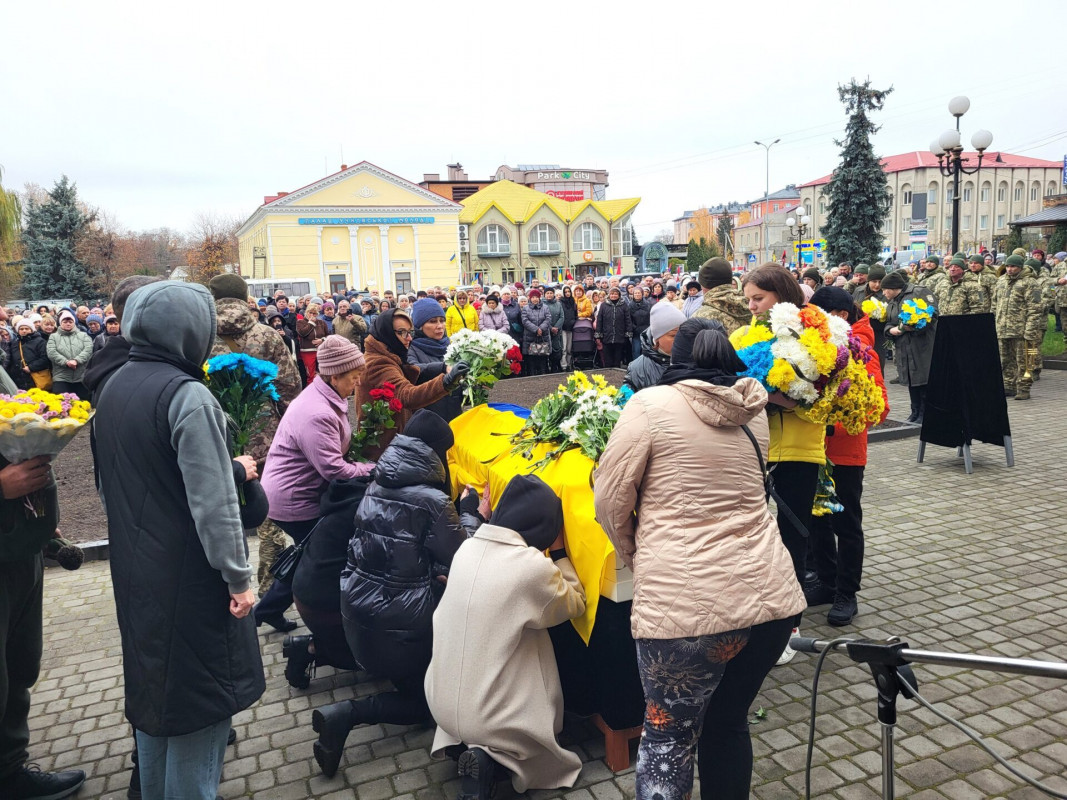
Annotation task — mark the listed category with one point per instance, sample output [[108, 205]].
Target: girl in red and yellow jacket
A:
[[837, 539]]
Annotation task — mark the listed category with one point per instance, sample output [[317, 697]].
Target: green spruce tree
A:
[[858, 192], [1058, 240], [699, 251], [1012, 240], [724, 231], [51, 268]]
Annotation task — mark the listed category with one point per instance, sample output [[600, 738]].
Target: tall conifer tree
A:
[[858, 192], [51, 268]]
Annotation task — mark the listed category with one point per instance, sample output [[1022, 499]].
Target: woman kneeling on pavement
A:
[[406, 532], [715, 592], [490, 668], [307, 453]]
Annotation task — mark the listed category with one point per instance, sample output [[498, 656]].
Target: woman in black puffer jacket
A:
[[406, 532]]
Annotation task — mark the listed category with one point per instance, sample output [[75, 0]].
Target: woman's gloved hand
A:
[[456, 374]]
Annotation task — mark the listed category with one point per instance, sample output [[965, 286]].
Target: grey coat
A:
[[536, 318], [913, 349], [555, 311], [64, 347]]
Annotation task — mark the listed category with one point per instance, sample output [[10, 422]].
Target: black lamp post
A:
[[949, 151], [798, 226]]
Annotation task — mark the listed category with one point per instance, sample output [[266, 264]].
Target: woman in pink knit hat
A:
[[306, 455]]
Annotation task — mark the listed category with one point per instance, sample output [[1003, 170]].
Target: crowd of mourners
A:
[[450, 599]]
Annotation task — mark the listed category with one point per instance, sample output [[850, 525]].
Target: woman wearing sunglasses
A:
[[415, 386]]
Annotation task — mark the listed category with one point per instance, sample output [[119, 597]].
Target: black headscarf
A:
[[682, 367], [382, 330], [530, 508]]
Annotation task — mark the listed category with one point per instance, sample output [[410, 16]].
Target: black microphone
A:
[[803, 644]]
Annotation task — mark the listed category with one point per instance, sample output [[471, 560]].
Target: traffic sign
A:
[[752, 258]]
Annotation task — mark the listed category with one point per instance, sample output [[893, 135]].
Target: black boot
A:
[[478, 775], [914, 406], [922, 405], [29, 783], [301, 663], [332, 723]]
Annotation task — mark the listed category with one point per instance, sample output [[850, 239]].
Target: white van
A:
[[292, 287]]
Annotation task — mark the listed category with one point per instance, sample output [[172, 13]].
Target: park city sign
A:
[[565, 176]]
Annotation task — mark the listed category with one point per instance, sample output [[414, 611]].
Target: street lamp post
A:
[[766, 195], [798, 226], [949, 151]]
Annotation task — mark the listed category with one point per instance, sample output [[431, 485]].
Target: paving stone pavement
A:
[[965, 563]]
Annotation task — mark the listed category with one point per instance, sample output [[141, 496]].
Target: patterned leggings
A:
[[687, 680]]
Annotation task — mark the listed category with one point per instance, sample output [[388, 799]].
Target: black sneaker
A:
[[29, 783], [843, 611], [332, 723], [818, 594], [477, 772]]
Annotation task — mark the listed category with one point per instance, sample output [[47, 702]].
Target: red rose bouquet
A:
[[376, 417]]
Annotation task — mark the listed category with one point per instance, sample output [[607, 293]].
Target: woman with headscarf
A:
[[407, 531], [415, 386], [714, 588], [489, 670], [427, 351]]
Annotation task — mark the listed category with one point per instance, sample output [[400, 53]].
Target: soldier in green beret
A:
[[1020, 320], [930, 273], [986, 277], [960, 292]]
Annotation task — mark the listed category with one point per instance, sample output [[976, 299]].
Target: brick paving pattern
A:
[[965, 563]]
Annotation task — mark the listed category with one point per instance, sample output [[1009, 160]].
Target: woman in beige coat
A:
[[493, 683], [714, 587]]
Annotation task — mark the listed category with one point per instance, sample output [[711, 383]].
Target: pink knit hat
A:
[[336, 355]]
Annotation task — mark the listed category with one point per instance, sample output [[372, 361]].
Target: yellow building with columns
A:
[[361, 228]]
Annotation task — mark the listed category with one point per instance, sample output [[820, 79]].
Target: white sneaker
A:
[[789, 652]]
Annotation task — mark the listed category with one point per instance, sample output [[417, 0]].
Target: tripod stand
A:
[[889, 660]]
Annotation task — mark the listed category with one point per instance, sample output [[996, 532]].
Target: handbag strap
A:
[[768, 485], [21, 354]]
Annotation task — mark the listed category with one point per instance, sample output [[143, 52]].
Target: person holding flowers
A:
[[797, 444], [307, 453], [387, 362], [837, 539], [69, 350], [428, 348], [910, 326]]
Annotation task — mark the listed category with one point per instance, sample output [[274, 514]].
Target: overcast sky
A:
[[159, 112]]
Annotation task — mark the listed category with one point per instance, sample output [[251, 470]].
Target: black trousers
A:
[[616, 354], [21, 642], [62, 387], [406, 706], [280, 595], [724, 751], [328, 634], [536, 365], [795, 482], [837, 539]]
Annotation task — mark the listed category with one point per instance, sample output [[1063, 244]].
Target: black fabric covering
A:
[[965, 394], [601, 678]]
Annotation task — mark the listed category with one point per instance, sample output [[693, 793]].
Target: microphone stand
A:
[[889, 659]]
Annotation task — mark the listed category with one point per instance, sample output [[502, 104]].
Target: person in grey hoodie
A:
[[555, 313], [179, 562]]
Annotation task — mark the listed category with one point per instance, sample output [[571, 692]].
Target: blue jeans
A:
[[182, 767]]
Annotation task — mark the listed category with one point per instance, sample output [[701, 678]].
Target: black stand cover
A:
[[965, 393]]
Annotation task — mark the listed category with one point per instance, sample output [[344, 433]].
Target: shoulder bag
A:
[[42, 378], [284, 567]]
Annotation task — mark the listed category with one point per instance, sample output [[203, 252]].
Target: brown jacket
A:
[[306, 331], [705, 551], [383, 367]]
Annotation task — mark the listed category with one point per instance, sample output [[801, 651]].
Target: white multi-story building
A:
[[1007, 188]]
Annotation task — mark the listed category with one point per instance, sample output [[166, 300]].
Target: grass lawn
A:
[[1053, 344]]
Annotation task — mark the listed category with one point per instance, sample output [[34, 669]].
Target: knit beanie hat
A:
[[1061, 255], [1018, 251], [715, 272], [831, 298], [862, 269], [813, 274], [977, 259], [895, 280], [934, 260], [428, 427], [876, 273], [228, 285], [533, 293], [529, 507], [95, 318], [956, 261], [424, 310], [1031, 262], [336, 355], [663, 318], [1014, 260], [66, 312]]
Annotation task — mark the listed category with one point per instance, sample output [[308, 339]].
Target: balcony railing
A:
[[494, 251], [545, 250]]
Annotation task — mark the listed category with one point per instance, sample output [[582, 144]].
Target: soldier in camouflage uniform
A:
[[722, 301], [1058, 282], [960, 292], [239, 332], [930, 273], [1020, 319], [986, 277], [1034, 267]]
